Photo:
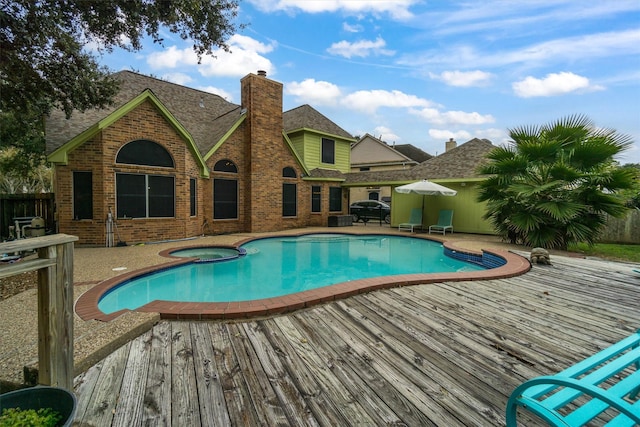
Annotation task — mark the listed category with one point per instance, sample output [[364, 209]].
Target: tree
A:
[[42, 61], [555, 184], [43, 64]]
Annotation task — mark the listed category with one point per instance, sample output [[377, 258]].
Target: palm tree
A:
[[555, 184]]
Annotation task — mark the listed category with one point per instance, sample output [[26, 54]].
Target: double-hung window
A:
[[335, 199], [328, 151]]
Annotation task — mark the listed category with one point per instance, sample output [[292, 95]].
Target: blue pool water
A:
[[285, 265]]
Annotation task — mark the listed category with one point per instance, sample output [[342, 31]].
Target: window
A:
[[145, 196], [225, 191], [335, 199], [225, 198], [225, 166], [328, 151], [316, 198], [144, 152], [82, 195], [192, 197], [365, 168], [289, 172], [289, 199], [289, 193]]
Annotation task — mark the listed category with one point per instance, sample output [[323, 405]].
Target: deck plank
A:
[[157, 396], [440, 354], [213, 409], [185, 409], [134, 382]]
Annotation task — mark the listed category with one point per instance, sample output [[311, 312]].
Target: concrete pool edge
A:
[[86, 306]]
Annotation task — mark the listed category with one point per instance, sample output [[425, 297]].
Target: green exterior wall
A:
[[309, 146], [467, 212]]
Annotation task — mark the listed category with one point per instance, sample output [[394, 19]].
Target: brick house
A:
[[171, 162]]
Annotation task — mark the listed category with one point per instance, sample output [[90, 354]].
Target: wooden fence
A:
[[622, 230], [26, 205]]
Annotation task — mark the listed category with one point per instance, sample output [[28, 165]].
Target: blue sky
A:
[[421, 72]]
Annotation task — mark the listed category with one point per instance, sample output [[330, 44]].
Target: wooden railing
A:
[[54, 264]]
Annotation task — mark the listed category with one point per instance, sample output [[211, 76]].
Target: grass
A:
[[615, 252]]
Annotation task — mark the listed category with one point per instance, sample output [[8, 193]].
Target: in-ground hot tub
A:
[[210, 253]]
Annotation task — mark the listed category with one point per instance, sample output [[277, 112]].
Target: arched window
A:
[[289, 172], [225, 192], [146, 153], [225, 166], [289, 193], [140, 195]]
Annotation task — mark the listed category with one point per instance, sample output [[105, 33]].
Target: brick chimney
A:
[[264, 148], [450, 145]]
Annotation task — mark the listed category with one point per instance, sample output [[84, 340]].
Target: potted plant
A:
[[50, 406]]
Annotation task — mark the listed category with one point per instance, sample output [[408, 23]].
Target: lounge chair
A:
[[445, 222], [415, 220]]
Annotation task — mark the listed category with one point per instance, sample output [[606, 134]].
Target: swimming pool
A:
[[500, 264], [280, 266]]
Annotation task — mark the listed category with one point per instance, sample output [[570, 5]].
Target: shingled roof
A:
[[412, 152], [207, 117], [307, 117], [458, 163]]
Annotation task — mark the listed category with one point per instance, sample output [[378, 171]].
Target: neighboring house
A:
[[170, 162], [456, 168], [374, 155]]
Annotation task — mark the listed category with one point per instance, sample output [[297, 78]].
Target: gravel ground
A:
[[14, 285]]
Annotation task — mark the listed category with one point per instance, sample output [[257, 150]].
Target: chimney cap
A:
[[262, 73]]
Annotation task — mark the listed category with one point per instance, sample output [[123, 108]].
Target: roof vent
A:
[[262, 73]]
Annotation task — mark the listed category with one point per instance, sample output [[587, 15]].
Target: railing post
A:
[[55, 317]]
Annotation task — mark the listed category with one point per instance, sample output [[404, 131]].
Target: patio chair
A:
[[415, 220], [445, 222]]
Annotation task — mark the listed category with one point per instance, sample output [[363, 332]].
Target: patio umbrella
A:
[[426, 188]]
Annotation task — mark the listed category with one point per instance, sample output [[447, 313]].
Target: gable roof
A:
[[307, 117], [412, 152], [456, 164], [206, 117], [372, 151]]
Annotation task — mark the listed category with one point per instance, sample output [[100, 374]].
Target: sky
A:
[[421, 72]]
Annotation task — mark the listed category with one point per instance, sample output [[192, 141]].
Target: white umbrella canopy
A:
[[426, 188]]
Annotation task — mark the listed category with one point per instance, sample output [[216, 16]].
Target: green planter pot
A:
[[58, 399]]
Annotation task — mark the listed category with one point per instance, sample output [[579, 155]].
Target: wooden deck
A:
[[428, 355]]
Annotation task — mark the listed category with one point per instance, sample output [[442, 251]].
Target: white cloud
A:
[[361, 48], [357, 28], [396, 9], [217, 91], [551, 85], [246, 56], [386, 134], [463, 78], [178, 78], [578, 48], [444, 135], [369, 101], [435, 116], [310, 91]]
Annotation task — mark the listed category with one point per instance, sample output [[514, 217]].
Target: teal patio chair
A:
[[445, 222], [415, 220]]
